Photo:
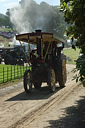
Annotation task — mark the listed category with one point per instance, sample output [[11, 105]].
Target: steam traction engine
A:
[[48, 65]]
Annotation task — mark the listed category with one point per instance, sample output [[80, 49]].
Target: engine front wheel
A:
[[28, 81], [51, 80]]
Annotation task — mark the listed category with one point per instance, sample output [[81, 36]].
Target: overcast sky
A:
[[6, 4]]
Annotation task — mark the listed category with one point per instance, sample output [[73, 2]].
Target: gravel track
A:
[[21, 110]]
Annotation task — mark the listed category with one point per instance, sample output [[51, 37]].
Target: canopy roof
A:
[[32, 37]]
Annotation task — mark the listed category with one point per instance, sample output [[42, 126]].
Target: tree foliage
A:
[[74, 13], [5, 21]]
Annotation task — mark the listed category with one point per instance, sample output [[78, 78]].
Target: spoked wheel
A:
[[37, 85], [51, 80], [62, 76], [28, 81]]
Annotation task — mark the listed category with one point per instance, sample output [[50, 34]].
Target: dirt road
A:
[[41, 109]]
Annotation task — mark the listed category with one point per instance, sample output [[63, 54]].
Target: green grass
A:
[[6, 29], [3, 65], [69, 52], [9, 72]]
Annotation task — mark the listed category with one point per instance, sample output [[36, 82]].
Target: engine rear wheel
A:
[[28, 81], [62, 76], [51, 80]]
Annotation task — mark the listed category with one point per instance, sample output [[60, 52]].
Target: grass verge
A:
[[11, 72], [73, 54]]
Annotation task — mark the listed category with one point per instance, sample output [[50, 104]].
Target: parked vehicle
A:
[[46, 61], [13, 55], [7, 35]]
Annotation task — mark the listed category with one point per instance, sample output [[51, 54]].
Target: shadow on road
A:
[[42, 93], [75, 117]]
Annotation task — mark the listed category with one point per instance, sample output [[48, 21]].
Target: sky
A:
[[6, 4]]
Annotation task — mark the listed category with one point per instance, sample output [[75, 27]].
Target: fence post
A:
[[26, 66], [17, 70], [14, 71], [7, 73], [11, 72], [23, 69], [20, 71], [3, 74]]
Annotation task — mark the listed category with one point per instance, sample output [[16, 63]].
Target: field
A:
[[5, 29], [69, 52], [11, 72]]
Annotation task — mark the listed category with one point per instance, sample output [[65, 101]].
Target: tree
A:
[[5, 20], [74, 13], [1, 22]]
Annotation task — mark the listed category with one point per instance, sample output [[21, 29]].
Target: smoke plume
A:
[[17, 17], [28, 16]]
